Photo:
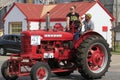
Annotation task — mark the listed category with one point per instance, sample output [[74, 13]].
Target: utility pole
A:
[[116, 13]]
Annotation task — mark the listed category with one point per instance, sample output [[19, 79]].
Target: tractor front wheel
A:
[[40, 71], [93, 57], [6, 69]]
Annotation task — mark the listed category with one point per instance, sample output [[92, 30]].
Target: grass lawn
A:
[[115, 53], [117, 48]]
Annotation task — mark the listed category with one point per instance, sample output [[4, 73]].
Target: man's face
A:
[[87, 17], [72, 9]]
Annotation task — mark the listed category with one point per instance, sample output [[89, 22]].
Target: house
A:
[[33, 16]]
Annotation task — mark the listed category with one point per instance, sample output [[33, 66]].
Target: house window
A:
[[15, 27]]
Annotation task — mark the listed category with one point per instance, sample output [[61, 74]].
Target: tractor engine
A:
[[47, 44], [55, 49]]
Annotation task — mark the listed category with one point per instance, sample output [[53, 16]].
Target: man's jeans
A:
[[76, 35]]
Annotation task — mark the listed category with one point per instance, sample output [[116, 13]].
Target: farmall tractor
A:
[[55, 51]]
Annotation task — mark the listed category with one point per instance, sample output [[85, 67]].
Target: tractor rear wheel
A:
[[40, 71], [5, 70], [93, 57]]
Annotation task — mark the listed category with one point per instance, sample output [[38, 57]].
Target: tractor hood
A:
[[49, 35]]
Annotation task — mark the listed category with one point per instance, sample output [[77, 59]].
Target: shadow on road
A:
[[53, 77], [109, 76]]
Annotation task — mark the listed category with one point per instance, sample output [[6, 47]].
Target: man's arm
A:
[[92, 26], [67, 22], [80, 22]]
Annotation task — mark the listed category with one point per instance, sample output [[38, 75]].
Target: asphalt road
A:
[[112, 74]]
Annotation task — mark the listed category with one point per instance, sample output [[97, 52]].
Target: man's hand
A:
[[67, 28]]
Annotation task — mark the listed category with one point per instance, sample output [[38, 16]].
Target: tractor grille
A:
[[26, 47]]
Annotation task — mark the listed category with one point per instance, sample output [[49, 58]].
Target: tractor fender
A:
[[84, 36]]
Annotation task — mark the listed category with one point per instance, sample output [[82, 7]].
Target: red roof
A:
[[31, 11], [58, 12], [61, 10]]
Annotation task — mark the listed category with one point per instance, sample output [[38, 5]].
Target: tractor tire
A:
[[93, 57], [5, 71], [63, 73], [2, 51], [40, 71]]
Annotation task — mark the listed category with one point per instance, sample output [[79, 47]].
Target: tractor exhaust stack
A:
[[48, 21]]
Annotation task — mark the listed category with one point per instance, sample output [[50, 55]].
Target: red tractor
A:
[[55, 51]]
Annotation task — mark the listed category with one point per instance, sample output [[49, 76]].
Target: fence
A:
[[117, 47]]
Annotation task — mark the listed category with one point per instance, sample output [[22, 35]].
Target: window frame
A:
[[10, 27]]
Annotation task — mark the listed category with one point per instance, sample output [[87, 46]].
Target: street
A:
[[112, 74]]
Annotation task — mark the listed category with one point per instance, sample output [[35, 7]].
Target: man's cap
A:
[[89, 15]]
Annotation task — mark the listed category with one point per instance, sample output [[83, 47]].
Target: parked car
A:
[[10, 44]]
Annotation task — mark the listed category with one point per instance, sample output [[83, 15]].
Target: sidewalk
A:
[[115, 59], [3, 58]]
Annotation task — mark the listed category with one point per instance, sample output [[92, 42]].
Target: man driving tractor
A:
[[74, 21]]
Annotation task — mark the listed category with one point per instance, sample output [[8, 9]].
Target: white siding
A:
[[101, 18], [15, 15], [34, 25], [43, 24]]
